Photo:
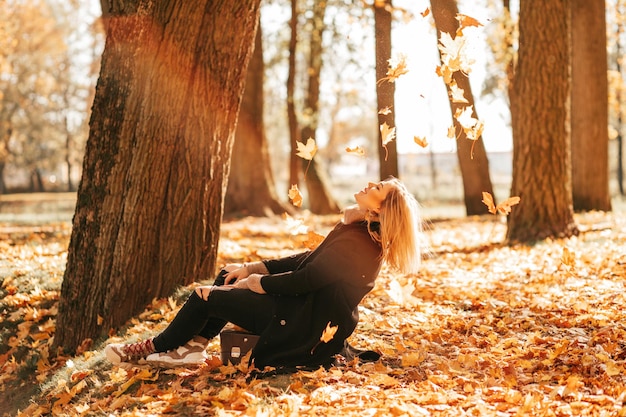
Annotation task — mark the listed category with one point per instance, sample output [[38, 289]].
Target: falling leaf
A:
[[505, 206], [502, 208], [568, 258], [357, 150], [451, 132], [426, 12], [420, 141], [387, 133], [466, 21], [306, 151], [294, 196], [488, 200], [457, 93], [397, 68], [328, 333], [453, 56]]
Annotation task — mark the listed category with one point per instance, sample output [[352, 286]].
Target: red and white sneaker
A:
[[192, 353], [134, 353]]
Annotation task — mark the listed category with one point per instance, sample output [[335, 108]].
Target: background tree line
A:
[[174, 84]]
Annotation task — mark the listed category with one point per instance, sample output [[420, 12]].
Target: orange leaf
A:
[[488, 200], [328, 333], [295, 196]]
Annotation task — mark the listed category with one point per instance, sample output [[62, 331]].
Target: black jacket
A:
[[312, 290]]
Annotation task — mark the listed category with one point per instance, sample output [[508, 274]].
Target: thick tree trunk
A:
[[471, 154], [150, 199], [540, 121], [320, 199], [385, 90], [251, 184], [590, 113]]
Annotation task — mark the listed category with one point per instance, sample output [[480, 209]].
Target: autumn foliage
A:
[[483, 329]]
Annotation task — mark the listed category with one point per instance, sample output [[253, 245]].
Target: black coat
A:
[[315, 289]]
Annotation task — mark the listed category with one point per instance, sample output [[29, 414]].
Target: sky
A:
[[422, 107]]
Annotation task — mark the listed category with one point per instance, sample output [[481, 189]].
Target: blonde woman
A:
[[290, 301]]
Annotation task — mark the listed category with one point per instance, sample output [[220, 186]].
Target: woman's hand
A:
[[252, 283], [235, 273], [353, 214]]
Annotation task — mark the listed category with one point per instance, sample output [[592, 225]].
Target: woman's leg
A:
[[241, 307]]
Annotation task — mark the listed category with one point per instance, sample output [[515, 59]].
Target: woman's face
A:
[[371, 197]]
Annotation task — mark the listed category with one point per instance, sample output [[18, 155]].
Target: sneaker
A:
[[191, 353], [119, 353]]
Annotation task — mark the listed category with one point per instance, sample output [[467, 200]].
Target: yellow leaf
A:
[[420, 141], [426, 12], [505, 206], [488, 200], [397, 68], [306, 151], [388, 133], [328, 333], [568, 258], [451, 132], [457, 93], [357, 150], [295, 196]]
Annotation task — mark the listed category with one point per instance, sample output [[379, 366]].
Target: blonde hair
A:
[[400, 227]]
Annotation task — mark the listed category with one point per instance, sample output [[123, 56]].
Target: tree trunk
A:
[[590, 113], [385, 90], [471, 153], [541, 125], [149, 202], [320, 200], [292, 118], [250, 188]]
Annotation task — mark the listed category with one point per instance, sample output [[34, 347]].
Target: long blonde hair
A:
[[400, 227]]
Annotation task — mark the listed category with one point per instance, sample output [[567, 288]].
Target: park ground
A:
[[484, 329]]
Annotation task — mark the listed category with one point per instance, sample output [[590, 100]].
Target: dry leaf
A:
[[294, 196], [385, 111], [357, 150], [328, 333], [306, 151], [420, 141], [387, 133]]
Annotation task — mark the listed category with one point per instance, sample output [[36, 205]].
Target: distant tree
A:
[[471, 154], [385, 90], [590, 135], [540, 121], [320, 200], [250, 188], [31, 44], [150, 199], [292, 117]]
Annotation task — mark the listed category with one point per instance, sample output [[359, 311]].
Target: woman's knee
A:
[[203, 292]]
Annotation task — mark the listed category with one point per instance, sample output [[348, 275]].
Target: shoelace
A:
[[139, 349]]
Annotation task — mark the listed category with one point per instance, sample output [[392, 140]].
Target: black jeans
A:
[[243, 308]]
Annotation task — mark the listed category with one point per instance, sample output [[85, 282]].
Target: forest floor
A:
[[484, 329]]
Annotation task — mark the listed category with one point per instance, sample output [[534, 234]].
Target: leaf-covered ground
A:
[[484, 330]]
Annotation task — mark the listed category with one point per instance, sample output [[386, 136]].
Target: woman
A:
[[290, 301]]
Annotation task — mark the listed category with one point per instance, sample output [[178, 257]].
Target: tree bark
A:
[[251, 188], [471, 154], [541, 125], [149, 202], [385, 90], [292, 118], [590, 113]]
